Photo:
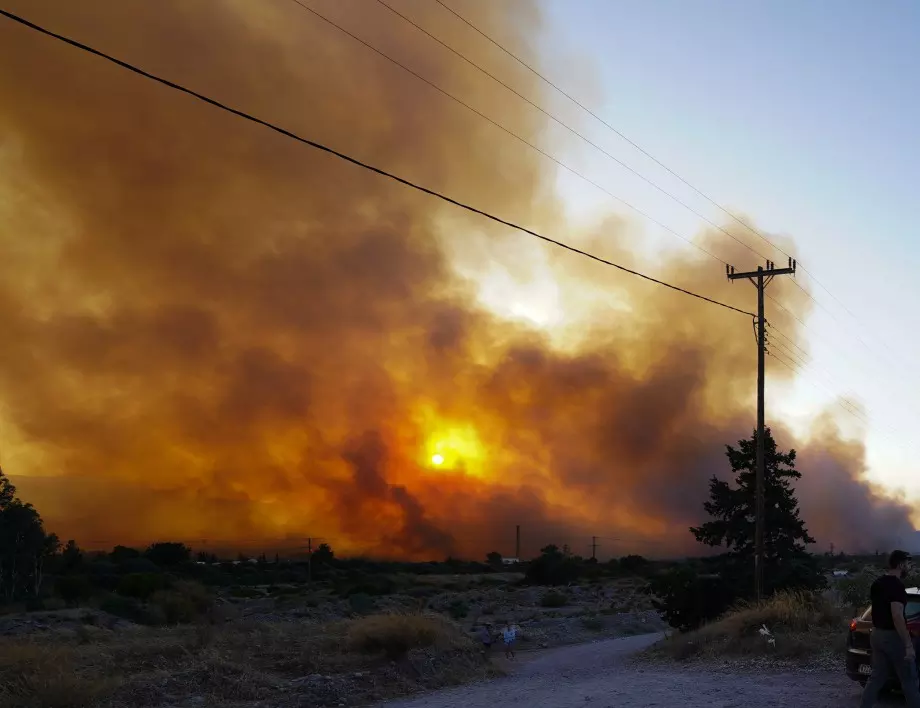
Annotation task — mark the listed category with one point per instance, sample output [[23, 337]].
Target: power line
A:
[[547, 155], [554, 159], [638, 147], [379, 171], [797, 368], [573, 131], [509, 132], [804, 364], [354, 161], [642, 150]]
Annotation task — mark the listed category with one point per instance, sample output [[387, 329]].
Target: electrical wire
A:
[[654, 159], [371, 168], [574, 132], [798, 369], [508, 131], [638, 147], [359, 163], [554, 159]]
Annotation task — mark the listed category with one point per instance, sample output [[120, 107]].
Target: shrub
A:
[[458, 609], [801, 624], [33, 675], [633, 564], [138, 565], [361, 604], [373, 585], [854, 590], [73, 589], [141, 585], [35, 604], [687, 599], [592, 623], [553, 567], [554, 599], [130, 609], [395, 635], [184, 603], [167, 555]]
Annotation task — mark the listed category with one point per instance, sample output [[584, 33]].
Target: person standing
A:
[[892, 647], [485, 637], [509, 634]]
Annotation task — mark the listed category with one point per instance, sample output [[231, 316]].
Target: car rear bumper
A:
[[859, 664], [859, 667]]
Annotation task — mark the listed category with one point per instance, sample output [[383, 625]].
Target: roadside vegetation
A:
[[801, 628], [163, 625], [353, 661]]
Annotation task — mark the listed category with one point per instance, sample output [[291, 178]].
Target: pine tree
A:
[[787, 564]]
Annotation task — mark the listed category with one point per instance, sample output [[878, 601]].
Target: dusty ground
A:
[[600, 676]]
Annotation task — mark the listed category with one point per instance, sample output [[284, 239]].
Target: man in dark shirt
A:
[[892, 646]]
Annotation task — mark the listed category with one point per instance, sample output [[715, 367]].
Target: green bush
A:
[[73, 589], [361, 604], [141, 585], [131, 609], [373, 585], [35, 604], [458, 609], [592, 623], [553, 567], [854, 590], [184, 603], [688, 599], [554, 599]]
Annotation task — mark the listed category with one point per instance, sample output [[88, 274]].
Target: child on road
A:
[[509, 634], [485, 636]]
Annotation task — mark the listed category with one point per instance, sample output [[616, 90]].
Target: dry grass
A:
[[238, 664], [804, 627], [395, 635]]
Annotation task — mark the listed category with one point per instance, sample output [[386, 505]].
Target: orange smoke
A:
[[215, 333]]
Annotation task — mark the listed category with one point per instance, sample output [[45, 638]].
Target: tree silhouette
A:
[[323, 555], [168, 554], [24, 545], [787, 564]]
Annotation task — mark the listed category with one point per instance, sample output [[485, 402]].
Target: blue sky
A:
[[804, 116]]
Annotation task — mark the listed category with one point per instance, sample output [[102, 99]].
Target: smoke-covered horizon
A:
[[214, 332]]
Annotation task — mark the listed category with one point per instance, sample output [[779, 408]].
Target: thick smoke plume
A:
[[212, 332]]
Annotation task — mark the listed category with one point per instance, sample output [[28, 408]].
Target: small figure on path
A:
[[485, 636], [509, 634], [892, 647]]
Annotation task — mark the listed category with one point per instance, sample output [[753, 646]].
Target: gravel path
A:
[[597, 675]]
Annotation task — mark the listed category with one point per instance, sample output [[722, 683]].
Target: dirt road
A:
[[596, 675]]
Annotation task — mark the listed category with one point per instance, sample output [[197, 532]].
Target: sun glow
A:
[[453, 446]]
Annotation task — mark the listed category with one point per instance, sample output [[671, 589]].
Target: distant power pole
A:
[[760, 278], [517, 542], [309, 560], [594, 548]]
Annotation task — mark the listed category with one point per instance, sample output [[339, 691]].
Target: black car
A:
[[859, 653]]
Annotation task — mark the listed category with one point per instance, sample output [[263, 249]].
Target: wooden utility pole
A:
[[517, 542], [760, 278], [594, 548], [309, 560]]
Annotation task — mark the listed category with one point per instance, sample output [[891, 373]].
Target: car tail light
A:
[[853, 624]]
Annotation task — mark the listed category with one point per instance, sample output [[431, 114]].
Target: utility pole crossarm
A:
[[767, 272]]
